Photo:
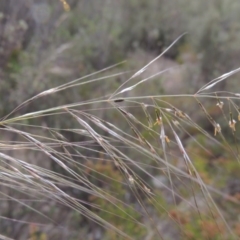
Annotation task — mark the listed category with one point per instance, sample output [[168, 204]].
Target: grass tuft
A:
[[133, 174]]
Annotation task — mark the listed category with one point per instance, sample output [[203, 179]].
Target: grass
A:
[[118, 156]]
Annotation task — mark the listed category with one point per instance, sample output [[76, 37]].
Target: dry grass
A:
[[151, 142]]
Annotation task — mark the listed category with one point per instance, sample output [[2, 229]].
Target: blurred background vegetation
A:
[[44, 45]]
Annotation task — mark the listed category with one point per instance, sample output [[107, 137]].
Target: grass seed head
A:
[[217, 129], [131, 179], [220, 104], [232, 124]]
